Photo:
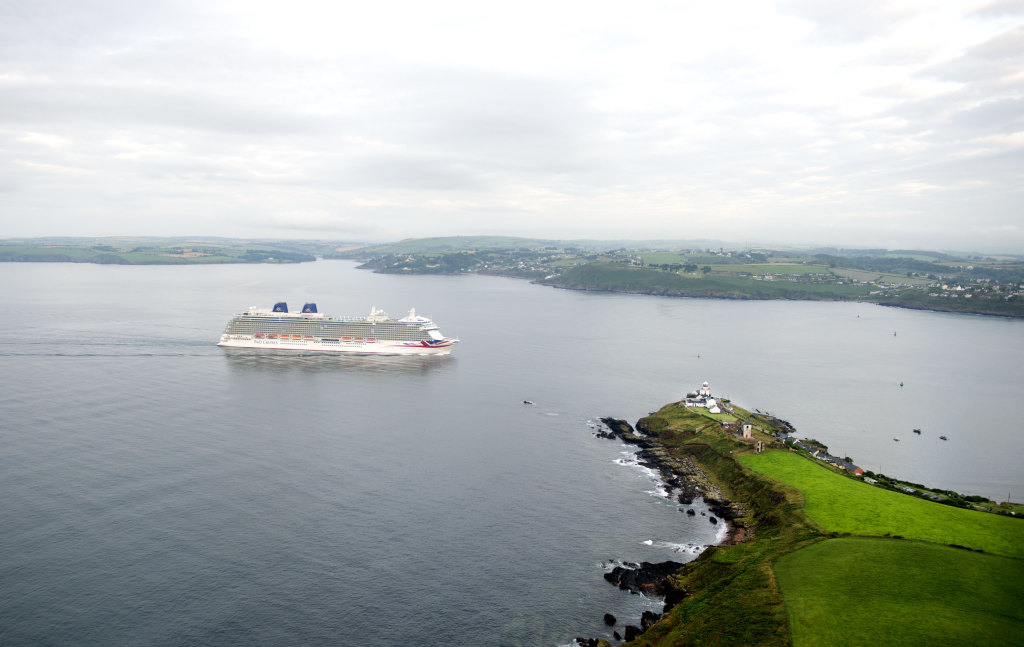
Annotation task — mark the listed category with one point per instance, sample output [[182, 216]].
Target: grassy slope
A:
[[866, 591], [728, 582], [841, 504]]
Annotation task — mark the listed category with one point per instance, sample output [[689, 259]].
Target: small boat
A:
[[896, 439], [943, 438], [528, 402], [917, 431]]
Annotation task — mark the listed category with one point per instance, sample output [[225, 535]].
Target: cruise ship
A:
[[312, 331]]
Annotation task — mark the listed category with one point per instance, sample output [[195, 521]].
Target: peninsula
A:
[[818, 551], [916, 279]]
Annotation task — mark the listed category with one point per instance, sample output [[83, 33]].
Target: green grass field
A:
[[768, 268], [868, 591], [841, 504], [607, 276], [658, 258]]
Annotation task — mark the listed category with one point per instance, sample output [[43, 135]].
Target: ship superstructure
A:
[[308, 329]]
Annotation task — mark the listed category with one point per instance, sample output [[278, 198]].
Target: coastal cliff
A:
[[728, 595]]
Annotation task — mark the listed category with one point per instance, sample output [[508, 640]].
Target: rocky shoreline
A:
[[685, 481], [681, 476]]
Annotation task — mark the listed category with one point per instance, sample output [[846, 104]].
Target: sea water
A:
[[160, 490]]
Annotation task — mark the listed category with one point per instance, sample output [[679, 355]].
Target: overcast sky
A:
[[863, 123]]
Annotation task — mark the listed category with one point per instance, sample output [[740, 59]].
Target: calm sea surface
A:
[[159, 490]]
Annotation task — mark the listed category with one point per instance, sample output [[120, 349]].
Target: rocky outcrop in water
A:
[[647, 578]]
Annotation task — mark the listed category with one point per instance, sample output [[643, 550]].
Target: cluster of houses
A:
[[823, 455], [744, 433]]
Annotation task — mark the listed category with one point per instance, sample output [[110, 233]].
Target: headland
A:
[[816, 552]]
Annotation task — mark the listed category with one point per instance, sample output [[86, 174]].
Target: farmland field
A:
[[770, 268], [841, 504], [863, 591]]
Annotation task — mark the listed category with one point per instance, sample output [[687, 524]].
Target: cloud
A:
[[846, 22], [756, 120]]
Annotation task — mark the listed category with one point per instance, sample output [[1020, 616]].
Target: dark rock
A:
[[632, 631], [623, 431], [691, 512], [647, 619], [673, 596], [647, 578], [722, 509], [616, 635], [609, 620], [712, 520]]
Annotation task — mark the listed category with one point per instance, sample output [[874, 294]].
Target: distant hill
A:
[[191, 250], [473, 243]]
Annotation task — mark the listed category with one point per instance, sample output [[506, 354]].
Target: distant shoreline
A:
[[740, 297], [599, 277]]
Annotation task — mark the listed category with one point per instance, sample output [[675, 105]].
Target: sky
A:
[[855, 124]]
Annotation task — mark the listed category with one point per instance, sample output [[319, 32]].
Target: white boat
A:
[[309, 330]]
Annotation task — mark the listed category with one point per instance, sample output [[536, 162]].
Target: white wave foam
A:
[[612, 564], [629, 459], [659, 492], [675, 547], [722, 531]]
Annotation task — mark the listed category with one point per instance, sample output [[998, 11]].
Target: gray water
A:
[[160, 490]]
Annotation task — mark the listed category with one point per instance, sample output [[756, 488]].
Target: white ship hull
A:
[[378, 347]]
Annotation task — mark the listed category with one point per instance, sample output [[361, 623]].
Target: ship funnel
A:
[[309, 308], [281, 307]]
